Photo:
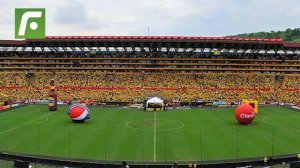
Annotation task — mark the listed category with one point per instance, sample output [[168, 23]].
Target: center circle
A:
[[33, 26], [158, 125]]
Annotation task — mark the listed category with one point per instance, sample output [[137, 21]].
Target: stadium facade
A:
[[151, 53]]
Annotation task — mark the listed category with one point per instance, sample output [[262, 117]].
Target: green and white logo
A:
[[29, 23]]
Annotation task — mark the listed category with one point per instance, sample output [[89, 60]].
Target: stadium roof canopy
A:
[[155, 43]]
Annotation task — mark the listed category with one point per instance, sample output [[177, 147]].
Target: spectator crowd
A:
[[137, 86]]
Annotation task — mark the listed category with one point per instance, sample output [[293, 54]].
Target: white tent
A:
[[155, 100]]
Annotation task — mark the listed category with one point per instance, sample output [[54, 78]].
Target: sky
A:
[[163, 17]]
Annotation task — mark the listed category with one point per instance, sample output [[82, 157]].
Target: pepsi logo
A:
[[78, 113]]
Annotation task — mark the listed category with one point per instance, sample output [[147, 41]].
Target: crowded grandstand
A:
[[130, 68]]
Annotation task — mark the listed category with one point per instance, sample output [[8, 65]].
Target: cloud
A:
[[164, 17], [72, 12]]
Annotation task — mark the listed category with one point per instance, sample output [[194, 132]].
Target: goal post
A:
[[252, 103]]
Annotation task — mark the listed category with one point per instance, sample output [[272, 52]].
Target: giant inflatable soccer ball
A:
[[78, 113], [244, 114]]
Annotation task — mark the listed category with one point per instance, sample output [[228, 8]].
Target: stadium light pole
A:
[[200, 141], [38, 140], [38, 143], [5, 137], [273, 141], [105, 146], [165, 148], [142, 147], [6, 146], [69, 134], [154, 136], [237, 143]]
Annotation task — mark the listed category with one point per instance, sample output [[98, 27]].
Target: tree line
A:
[[289, 35]]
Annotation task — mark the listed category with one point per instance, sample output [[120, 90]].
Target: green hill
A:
[[289, 35]]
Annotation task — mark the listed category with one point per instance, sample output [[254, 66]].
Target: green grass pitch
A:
[[131, 134]]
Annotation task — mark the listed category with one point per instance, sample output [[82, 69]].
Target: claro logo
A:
[[29, 23], [247, 115]]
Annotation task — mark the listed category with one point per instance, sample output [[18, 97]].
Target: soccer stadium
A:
[[149, 84], [195, 84]]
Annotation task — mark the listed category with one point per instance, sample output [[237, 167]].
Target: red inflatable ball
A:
[[244, 114], [78, 113]]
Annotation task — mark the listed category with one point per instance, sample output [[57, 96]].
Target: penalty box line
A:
[[24, 124]]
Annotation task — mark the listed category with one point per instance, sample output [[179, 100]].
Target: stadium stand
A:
[[135, 87], [130, 68]]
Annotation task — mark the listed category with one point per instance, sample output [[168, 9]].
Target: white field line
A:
[[157, 130], [23, 124]]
